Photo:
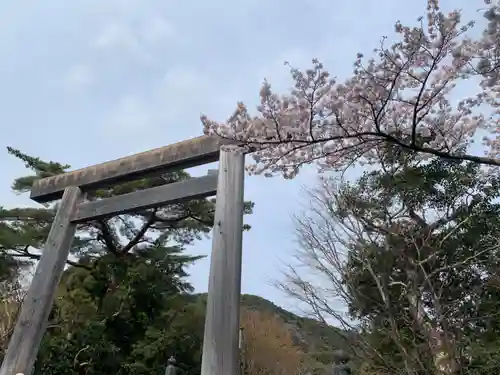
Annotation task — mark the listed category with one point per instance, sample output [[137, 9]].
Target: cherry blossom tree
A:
[[402, 98]]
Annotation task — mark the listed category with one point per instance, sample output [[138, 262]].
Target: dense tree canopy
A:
[[125, 316], [411, 249]]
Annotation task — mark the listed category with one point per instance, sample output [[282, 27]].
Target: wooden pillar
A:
[[242, 350], [31, 324], [221, 339]]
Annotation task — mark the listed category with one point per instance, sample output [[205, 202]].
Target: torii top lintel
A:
[[186, 154]]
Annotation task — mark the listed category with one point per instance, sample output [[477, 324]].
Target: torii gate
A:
[[220, 344]]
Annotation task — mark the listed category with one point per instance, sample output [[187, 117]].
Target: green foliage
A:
[[411, 248], [425, 263], [125, 316]]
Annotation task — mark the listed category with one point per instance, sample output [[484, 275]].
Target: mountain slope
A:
[[316, 338]]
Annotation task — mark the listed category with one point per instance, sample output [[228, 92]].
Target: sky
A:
[[87, 81]]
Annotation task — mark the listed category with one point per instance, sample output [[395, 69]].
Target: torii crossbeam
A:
[[220, 345]]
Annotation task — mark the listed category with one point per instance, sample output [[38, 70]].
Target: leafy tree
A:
[[126, 316], [411, 250], [402, 96]]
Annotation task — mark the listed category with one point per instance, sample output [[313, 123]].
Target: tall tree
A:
[[404, 95], [411, 250]]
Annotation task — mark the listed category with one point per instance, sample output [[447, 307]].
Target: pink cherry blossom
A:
[[401, 96]]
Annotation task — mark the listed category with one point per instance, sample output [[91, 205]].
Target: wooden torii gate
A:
[[220, 344]]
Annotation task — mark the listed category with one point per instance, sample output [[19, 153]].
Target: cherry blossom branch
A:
[[402, 97]]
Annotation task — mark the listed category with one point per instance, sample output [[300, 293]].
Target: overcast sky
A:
[[86, 81]]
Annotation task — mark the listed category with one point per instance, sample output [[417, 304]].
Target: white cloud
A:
[[278, 73], [166, 102], [157, 29], [116, 35], [130, 115], [80, 75], [174, 102], [129, 38], [178, 78]]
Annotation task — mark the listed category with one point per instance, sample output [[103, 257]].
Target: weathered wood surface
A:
[[194, 188], [186, 154], [221, 338], [242, 348], [32, 321]]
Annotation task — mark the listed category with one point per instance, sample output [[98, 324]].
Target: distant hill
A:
[[316, 338]]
